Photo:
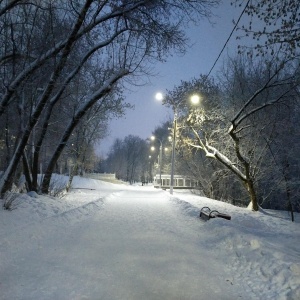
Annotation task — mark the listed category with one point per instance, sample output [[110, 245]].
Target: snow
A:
[[115, 241]]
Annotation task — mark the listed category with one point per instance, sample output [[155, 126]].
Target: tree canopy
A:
[[274, 25]]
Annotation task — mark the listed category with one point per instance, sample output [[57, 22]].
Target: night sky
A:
[[207, 40]]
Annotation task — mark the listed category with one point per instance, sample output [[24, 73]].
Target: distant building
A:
[[180, 182], [101, 176]]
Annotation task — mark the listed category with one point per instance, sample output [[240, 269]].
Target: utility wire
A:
[[228, 38]]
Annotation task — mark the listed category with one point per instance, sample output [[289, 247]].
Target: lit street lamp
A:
[[195, 99], [159, 96]]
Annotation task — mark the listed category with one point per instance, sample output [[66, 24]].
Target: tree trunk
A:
[[252, 194], [288, 189], [247, 167], [35, 170], [102, 92], [26, 170], [72, 173], [35, 163], [6, 180]]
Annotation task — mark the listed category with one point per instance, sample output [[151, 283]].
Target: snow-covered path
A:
[[113, 241], [131, 244]]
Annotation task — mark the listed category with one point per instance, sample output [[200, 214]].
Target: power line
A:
[[228, 38]]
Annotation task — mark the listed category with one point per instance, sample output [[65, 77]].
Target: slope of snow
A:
[[262, 249], [109, 241]]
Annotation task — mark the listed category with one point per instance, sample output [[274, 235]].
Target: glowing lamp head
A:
[[195, 99], [159, 96]]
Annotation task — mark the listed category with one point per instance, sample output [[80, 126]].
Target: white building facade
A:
[[180, 182]]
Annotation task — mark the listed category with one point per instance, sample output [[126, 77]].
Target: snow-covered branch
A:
[[261, 107], [270, 83]]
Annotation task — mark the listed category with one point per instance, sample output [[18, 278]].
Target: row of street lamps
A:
[[159, 156], [195, 99]]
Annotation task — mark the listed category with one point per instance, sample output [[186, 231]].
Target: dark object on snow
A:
[[206, 213]]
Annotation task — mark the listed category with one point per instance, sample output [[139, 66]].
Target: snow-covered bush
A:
[[8, 200]]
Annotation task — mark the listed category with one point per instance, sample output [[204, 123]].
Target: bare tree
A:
[[237, 138], [135, 152], [116, 161], [127, 158], [274, 25], [120, 37]]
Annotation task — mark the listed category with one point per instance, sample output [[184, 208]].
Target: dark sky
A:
[[207, 40]]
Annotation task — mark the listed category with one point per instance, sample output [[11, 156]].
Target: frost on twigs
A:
[[57, 188], [9, 200]]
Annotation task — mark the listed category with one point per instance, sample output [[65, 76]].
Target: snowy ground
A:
[[109, 241]]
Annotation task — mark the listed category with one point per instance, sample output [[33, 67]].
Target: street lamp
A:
[[195, 99], [159, 96]]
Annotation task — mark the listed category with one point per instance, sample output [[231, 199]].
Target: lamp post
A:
[[159, 157], [150, 169], [173, 150], [195, 100]]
